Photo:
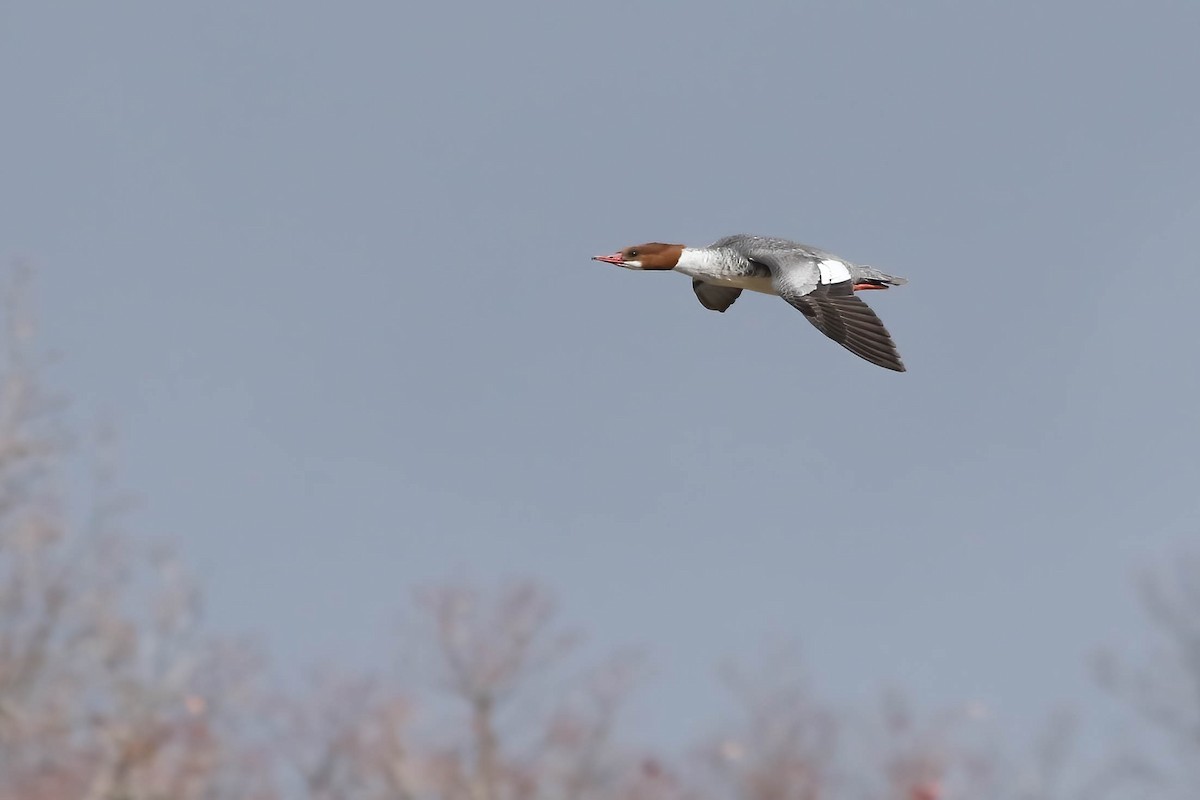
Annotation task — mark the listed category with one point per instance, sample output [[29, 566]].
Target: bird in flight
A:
[[819, 284]]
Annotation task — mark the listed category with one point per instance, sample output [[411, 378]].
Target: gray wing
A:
[[850, 322], [713, 297], [830, 306]]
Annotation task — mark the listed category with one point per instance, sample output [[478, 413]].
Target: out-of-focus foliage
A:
[[108, 686]]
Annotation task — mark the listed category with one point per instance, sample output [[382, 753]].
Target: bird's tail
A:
[[871, 278]]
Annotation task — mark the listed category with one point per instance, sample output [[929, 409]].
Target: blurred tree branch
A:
[[1164, 688], [107, 686]]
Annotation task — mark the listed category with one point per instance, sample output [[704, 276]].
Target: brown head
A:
[[653, 255]]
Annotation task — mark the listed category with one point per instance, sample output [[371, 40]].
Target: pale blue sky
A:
[[326, 266]]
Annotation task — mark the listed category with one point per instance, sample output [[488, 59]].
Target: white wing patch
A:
[[833, 271]]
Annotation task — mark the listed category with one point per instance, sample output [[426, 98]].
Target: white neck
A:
[[701, 262]]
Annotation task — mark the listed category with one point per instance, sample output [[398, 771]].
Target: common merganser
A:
[[819, 284]]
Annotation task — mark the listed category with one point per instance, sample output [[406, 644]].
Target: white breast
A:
[[721, 269]]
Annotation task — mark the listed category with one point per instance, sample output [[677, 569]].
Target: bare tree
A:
[[107, 688], [488, 649], [1163, 689], [787, 744], [928, 756], [496, 728], [783, 745], [496, 654]]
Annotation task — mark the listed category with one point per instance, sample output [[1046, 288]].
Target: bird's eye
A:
[[632, 253]]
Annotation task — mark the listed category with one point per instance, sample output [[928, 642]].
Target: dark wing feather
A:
[[713, 297], [850, 322]]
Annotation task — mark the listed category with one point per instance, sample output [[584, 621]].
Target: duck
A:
[[819, 284]]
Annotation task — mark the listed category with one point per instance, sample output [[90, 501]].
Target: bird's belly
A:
[[755, 283]]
